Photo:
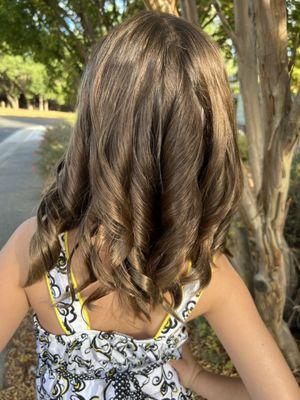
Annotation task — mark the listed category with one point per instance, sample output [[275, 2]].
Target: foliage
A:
[[293, 17], [20, 74], [213, 355], [59, 34]]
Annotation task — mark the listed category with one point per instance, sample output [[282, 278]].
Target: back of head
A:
[[152, 165]]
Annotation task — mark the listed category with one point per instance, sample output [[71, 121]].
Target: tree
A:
[[22, 75], [59, 33], [272, 114]]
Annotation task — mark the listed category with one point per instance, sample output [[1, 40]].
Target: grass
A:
[[22, 112], [52, 148]]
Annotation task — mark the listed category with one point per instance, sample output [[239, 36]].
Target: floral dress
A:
[[87, 364]]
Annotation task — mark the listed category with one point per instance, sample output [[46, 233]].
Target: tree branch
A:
[[209, 21], [98, 6], [226, 26], [86, 22], [60, 13]]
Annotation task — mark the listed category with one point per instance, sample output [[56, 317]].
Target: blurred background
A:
[[44, 45]]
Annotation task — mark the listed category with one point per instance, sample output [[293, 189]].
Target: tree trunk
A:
[[189, 11], [168, 6], [41, 102], [260, 38], [46, 105], [271, 203], [13, 101], [242, 255], [249, 86]]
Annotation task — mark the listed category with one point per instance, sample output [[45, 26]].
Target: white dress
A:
[[87, 364]]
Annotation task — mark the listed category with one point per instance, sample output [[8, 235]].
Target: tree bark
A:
[[249, 87], [272, 38], [189, 11], [168, 6], [242, 255]]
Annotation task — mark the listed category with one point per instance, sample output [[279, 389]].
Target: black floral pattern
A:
[[86, 364]]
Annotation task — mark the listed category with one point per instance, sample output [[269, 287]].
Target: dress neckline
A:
[[94, 332]]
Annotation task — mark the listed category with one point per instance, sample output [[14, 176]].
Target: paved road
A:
[[20, 186]]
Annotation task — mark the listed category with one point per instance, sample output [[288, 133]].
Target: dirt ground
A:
[[20, 364]]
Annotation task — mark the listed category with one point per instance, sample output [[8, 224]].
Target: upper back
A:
[[108, 315]]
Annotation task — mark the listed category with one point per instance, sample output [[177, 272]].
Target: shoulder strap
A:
[[71, 317], [191, 294]]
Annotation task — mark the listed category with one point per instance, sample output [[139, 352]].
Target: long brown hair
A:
[[152, 166]]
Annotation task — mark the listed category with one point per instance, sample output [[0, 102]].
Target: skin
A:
[[205, 383], [226, 304]]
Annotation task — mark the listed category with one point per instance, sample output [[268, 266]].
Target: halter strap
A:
[[192, 293], [190, 296], [72, 318]]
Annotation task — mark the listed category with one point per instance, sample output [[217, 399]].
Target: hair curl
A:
[[152, 171]]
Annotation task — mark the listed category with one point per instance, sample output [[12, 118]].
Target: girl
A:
[[131, 230]]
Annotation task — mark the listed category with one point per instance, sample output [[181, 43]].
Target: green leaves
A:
[[59, 35], [21, 74]]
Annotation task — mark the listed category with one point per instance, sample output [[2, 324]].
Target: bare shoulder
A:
[[28, 226], [15, 253], [14, 257], [223, 282]]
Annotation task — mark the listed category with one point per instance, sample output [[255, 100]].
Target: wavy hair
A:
[[152, 172]]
